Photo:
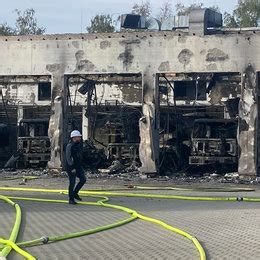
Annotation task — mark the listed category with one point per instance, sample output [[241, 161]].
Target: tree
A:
[[143, 9], [246, 14], [101, 24], [6, 30], [165, 11], [230, 21], [26, 23], [215, 8], [181, 9]]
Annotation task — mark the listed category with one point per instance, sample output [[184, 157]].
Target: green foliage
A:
[[101, 24], [245, 14], [181, 9], [144, 8], [6, 30], [230, 21], [215, 8], [26, 23]]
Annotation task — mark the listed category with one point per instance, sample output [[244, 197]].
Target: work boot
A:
[[72, 202], [77, 197]]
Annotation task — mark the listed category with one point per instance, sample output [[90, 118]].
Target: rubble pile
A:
[[24, 172]]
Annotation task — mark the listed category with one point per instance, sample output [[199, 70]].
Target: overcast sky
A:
[[60, 16]]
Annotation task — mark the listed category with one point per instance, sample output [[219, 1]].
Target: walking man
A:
[[74, 167]]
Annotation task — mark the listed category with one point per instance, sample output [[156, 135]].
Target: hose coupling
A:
[[45, 240]]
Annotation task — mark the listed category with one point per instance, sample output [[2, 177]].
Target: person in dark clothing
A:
[[74, 167]]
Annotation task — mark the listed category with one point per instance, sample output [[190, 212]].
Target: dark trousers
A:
[[72, 181]]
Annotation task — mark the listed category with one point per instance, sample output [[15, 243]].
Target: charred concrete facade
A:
[[146, 55]]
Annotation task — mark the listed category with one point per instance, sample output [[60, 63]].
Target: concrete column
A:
[[56, 123], [149, 124], [258, 122], [85, 125], [19, 114], [247, 134]]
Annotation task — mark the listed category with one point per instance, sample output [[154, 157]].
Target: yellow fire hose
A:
[[140, 195], [11, 243], [14, 233], [219, 189]]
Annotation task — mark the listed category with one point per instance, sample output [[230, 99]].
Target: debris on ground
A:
[[116, 167], [118, 172], [25, 172], [231, 176], [214, 175]]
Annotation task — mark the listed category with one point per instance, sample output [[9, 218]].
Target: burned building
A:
[[143, 91]]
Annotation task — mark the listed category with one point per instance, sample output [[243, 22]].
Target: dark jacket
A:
[[73, 155]]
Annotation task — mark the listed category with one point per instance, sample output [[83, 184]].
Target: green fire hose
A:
[[8, 245]]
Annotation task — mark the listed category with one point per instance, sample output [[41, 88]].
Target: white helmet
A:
[[75, 133]]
